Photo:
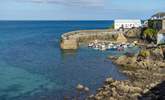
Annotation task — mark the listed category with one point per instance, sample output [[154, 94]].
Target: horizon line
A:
[[68, 20]]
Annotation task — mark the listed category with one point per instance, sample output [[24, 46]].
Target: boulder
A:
[[157, 54], [126, 60], [129, 89], [133, 33], [109, 80]]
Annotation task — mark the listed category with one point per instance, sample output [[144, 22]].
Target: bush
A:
[[144, 53], [150, 35]]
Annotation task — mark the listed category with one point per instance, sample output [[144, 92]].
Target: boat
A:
[[103, 48], [110, 46], [90, 44], [125, 46], [96, 47]]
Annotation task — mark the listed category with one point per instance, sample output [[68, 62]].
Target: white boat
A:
[[125, 46], [114, 47], [96, 47], [90, 44], [110, 45], [103, 48], [130, 45]]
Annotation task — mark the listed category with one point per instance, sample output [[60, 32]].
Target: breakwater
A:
[[72, 39]]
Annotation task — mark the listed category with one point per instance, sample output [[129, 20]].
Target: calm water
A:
[[32, 67]]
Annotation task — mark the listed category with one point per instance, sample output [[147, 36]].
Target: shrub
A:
[[150, 34], [144, 53]]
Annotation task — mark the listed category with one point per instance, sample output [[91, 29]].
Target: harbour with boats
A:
[[103, 46]]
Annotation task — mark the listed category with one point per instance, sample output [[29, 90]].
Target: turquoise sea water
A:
[[32, 66]]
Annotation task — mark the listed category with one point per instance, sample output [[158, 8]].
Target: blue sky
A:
[[79, 9]]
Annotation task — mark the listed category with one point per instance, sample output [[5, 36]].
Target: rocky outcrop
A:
[[121, 38], [143, 76], [133, 33]]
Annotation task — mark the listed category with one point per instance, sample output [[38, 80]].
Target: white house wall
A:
[[160, 38], [127, 23]]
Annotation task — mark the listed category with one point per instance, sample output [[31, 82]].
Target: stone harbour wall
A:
[[71, 40]]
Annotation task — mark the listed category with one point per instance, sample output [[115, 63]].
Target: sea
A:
[[33, 67]]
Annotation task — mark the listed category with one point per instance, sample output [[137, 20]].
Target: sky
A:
[[79, 9]]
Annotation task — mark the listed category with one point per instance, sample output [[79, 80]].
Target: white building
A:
[[126, 24], [161, 37], [158, 16]]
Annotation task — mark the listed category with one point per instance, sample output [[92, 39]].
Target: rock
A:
[[80, 87], [91, 97], [157, 53], [106, 87], [135, 32], [109, 80], [152, 85], [161, 64], [124, 88], [145, 90], [114, 93], [112, 57], [98, 98], [127, 72], [114, 84], [105, 93], [136, 95], [111, 98], [144, 74], [135, 89], [123, 60], [129, 89], [86, 89], [99, 89]]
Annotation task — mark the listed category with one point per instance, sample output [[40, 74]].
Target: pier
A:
[[71, 40]]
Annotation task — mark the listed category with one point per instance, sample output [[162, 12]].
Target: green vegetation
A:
[[150, 34], [144, 53], [155, 24]]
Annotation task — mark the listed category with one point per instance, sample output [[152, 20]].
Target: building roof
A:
[[159, 14]]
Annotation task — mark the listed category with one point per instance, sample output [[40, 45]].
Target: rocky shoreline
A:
[[145, 70], [145, 78]]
